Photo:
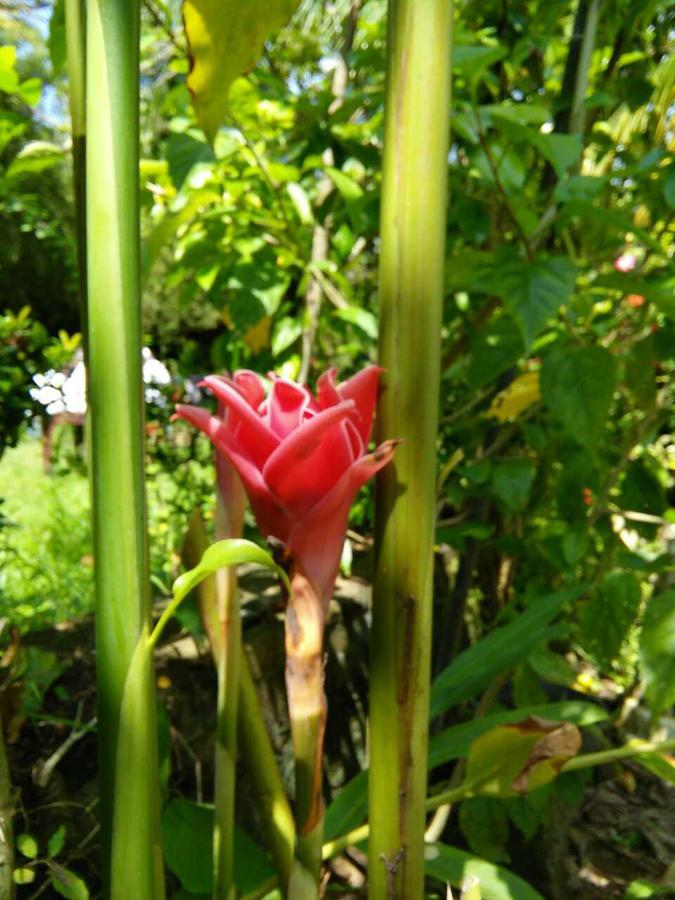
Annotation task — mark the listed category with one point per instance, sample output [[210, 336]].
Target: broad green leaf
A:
[[225, 40], [657, 651], [561, 150], [452, 866], [516, 397], [35, 157], [512, 480], [519, 113], [500, 650], [362, 318], [519, 757], [484, 824], [493, 350], [67, 884], [9, 80], [184, 150], [286, 332], [30, 91], [187, 836], [27, 846], [606, 619], [577, 385], [534, 292], [661, 764], [471, 60]]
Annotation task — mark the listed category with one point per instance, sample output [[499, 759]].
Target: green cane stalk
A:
[[76, 64], [254, 743], [130, 790], [412, 229]]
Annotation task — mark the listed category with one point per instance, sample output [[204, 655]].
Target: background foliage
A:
[[556, 452]]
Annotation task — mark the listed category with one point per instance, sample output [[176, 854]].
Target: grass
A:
[[46, 573]]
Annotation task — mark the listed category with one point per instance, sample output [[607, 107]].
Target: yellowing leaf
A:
[[517, 758], [258, 337], [516, 398], [226, 39]]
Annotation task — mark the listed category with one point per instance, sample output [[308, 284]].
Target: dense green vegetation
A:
[[555, 496]]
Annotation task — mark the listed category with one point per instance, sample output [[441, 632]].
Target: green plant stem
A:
[[127, 712], [577, 116], [411, 291], [468, 788], [76, 61], [305, 623], [632, 748], [254, 744], [6, 830], [228, 665]]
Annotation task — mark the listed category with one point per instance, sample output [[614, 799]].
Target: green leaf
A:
[[23, 875], [484, 824], [348, 809], [225, 41], [187, 837], [512, 480], [471, 60], [493, 350], [607, 618], [499, 650], [361, 318], [56, 41], [577, 385], [351, 191], [301, 202], [232, 552], [67, 883], [561, 150], [657, 652], [27, 845], [286, 332], [56, 842], [184, 150], [453, 866], [35, 157], [533, 292]]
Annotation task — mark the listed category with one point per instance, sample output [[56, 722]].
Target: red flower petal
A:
[[286, 406], [271, 515], [316, 540], [327, 392], [362, 389], [310, 460], [250, 385], [243, 422]]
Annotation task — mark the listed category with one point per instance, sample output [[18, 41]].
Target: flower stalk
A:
[[413, 216], [127, 728]]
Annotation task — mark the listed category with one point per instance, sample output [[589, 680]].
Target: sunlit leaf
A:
[[225, 40]]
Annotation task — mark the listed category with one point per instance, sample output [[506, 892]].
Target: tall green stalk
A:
[[130, 792], [412, 230], [76, 60]]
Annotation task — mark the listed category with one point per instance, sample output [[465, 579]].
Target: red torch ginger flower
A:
[[302, 459]]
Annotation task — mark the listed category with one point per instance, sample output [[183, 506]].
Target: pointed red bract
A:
[[301, 459]]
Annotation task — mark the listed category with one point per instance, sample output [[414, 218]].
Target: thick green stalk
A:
[[6, 831], [76, 57], [254, 743], [412, 230], [130, 795]]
